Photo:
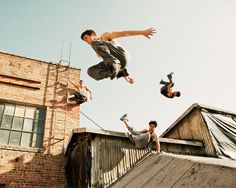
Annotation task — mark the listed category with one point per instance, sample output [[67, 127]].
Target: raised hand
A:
[[149, 32]]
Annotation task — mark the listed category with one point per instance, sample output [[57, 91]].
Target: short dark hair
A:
[[153, 122], [87, 32], [178, 94]]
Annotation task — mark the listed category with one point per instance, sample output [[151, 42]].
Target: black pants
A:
[[114, 58], [80, 98], [164, 89]]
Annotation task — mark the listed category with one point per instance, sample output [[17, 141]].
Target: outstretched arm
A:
[[156, 139], [118, 34], [90, 92]]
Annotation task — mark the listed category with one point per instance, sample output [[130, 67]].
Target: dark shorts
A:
[[80, 98]]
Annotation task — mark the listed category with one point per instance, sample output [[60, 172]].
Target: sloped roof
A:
[[202, 108], [169, 170], [221, 126]]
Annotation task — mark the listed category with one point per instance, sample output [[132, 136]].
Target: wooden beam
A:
[[99, 131], [182, 142], [122, 134]]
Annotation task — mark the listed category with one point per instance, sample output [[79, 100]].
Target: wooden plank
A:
[[158, 163], [184, 128], [209, 146], [183, 142], [168, 176], [99, 131]]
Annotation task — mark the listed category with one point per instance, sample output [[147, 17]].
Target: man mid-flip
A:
[[166, 90], [115, 58]]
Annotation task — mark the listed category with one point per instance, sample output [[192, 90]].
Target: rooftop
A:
[[171, 170]]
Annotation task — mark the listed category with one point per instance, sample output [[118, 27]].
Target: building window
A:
[[21, 125]]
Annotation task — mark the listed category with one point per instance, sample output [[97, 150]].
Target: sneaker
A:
[[124, 117], [161, 82], [170, 75]]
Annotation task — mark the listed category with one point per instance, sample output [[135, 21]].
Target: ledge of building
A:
[[83, 130], [99, 131], [42, 61], [21, 148]]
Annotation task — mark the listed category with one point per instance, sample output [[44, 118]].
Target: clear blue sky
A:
[[195, 39]]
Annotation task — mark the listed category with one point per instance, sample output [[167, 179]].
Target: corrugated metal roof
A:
[[169, 170]]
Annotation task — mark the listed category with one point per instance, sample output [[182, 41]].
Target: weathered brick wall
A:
[[24, 166]]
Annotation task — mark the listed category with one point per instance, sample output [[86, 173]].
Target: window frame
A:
[[39, 120]]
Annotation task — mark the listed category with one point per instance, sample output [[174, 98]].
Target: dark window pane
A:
[[28, 125], [25, 139], [37, 140], [40, 114], [15, 138], [6, 122], [38, 126], [17, 123], [4, 135], [9, 109], [1, 108]]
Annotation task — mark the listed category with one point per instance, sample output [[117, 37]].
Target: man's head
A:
[[152, 125], [177, 94], [88, 36], [81, 82]]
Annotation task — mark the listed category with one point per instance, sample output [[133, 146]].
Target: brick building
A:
[[33, 134]]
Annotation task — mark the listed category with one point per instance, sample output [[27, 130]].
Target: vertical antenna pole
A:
[[62, 45], [70, 53]]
